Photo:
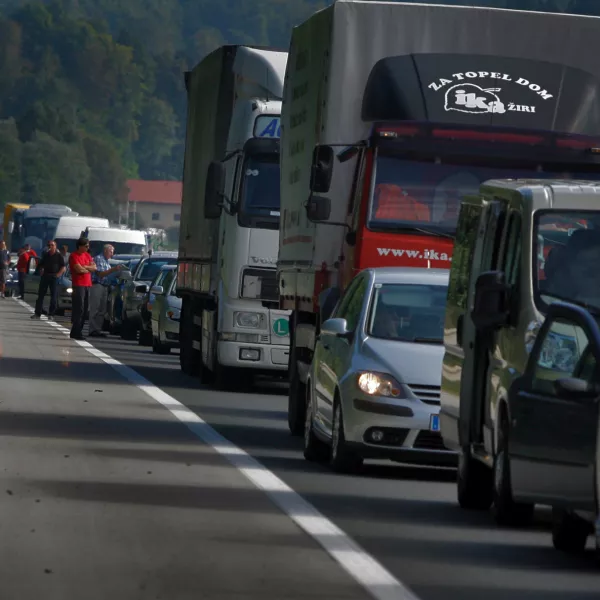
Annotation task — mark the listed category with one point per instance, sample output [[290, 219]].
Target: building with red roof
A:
[[154, 203]]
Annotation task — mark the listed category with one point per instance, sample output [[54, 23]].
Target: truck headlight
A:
[[379, 384], [248, 319]]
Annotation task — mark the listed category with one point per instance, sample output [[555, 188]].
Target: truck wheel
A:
[[296, 398], [343, 459], [569, 532], [506, 511], [314, 449], [189, 357], [474, 482]]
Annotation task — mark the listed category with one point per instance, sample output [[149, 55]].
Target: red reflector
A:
[[487, 136], [578, 144]]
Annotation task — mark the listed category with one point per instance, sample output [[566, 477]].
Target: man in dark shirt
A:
[[51, 267]]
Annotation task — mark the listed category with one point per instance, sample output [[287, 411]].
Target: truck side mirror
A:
[[11, 226], [491, 307], [322, 169], [214, 191], [318, 208]]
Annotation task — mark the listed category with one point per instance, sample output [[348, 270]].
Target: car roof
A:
[[411, 275]]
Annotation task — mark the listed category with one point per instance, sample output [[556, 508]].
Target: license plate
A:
[[434, 423]]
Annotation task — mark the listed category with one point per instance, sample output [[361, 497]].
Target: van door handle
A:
[[326, 346]]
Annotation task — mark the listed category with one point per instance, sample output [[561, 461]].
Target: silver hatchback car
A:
[[374, 383]]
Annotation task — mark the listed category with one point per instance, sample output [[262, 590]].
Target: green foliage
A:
[[91, 91]]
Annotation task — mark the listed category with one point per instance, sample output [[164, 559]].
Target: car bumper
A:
[[253, 356], [406, 428], [169, 334]]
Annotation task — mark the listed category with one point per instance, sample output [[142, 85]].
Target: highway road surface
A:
[[122, 478]]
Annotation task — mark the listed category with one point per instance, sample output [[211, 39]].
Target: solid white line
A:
[[360, 565]]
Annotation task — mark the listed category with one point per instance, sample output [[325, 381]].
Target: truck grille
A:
[[430, 394], [260, 284]]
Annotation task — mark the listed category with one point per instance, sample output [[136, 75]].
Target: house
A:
[[154, 204]]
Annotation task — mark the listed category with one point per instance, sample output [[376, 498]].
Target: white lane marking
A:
[[360, 565]]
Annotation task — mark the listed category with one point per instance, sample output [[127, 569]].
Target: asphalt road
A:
[[207, 521]]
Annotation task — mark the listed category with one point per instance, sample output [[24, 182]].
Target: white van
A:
[[69, 229], [124, 241]]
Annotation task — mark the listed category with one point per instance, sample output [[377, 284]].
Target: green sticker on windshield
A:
[[281, 327]]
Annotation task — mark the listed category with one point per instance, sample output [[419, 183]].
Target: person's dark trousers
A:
[[47, 282], [80, 305], [22, 285]]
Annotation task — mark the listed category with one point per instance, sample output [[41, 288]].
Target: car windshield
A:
[[97, 246], [408, 312], [427, 194], [150, 268], [567, 257]]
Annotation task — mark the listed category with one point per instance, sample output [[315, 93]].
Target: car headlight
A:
[[379, 384], [174, 314], [248, 319], [69, 290]]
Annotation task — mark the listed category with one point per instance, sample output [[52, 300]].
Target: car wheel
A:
[[314, 449], [343, 459], [569, 532], [507, 512], [145, 338], [474, 482], [296, 397]]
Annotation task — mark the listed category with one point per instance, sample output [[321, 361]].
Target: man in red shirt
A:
[[81, 265], [25, 254]]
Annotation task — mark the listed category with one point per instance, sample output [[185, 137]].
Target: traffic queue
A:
[[408, 232]]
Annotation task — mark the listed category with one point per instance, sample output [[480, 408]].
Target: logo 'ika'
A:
[[472, 99]]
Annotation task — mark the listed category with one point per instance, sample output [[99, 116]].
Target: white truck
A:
[[124, 241], [231, 325], [68, 229]]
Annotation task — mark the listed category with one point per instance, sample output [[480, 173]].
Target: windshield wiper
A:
[[590, 307], [426, 340], [425, 230]]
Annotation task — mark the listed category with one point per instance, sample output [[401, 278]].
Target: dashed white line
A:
[[360, 565]]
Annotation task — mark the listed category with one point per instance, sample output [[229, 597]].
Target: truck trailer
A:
[[392, 113], [231, 325]]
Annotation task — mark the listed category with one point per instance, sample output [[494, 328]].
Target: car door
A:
[[324, 385], [32, 278], [158, 306], [553, 435], [339, 349]]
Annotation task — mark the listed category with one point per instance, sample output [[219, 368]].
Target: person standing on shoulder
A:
[[51, 266], [101, 282], [25, 253], [4, 264], [82, 266]]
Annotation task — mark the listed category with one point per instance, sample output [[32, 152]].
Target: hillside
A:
[[91, 91]]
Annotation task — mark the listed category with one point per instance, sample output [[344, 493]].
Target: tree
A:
[[10, 162]]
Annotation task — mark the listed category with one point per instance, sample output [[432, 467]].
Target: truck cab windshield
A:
[[567, 258], [426, 194], [259, 192], [39, 228]]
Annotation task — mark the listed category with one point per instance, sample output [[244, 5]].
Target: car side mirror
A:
[[157, 290], [141, 289], [491, 306], [125, 276], [322, 169], [572, 388], [318, 209], [214, 190], [336, 327]]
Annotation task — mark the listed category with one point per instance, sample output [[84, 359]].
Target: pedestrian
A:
[[51, 267], [25, 253], [82, 266], [4, 264], [101, 282], [64, 250]]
